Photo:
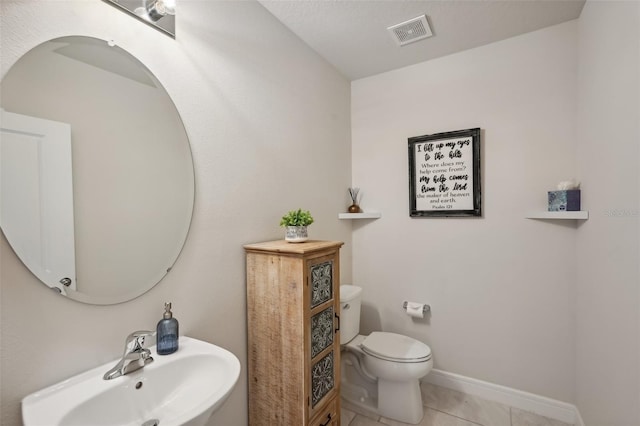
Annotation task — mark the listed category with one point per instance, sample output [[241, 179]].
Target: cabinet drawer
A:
[[328, 416]]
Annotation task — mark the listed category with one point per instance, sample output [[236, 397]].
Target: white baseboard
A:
[[541, 405]]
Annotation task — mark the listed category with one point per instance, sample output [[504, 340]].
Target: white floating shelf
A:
[[366, 215], [583, 214]]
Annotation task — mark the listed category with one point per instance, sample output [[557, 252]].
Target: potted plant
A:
[[295, 222]]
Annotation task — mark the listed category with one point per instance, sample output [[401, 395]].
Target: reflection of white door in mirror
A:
[[36, 212]]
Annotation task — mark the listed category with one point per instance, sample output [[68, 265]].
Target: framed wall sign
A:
[[444, 174]]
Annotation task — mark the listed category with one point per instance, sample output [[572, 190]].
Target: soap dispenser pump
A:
[[167, 333]]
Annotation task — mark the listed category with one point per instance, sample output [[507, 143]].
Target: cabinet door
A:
[[324, 347], [321, 282], [322, 331], [322, 378]]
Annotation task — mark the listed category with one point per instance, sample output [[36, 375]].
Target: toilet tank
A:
[[350, 300]]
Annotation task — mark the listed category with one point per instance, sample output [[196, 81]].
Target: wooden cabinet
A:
[[293, 308]]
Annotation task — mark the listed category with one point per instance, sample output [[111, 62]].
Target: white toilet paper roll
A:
[[415, 310]]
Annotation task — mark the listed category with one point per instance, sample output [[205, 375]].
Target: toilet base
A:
[[360, 398], [404, 404], [401, 401]]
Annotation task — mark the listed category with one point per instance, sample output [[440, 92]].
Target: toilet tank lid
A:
[[349, 292], [392, 345]]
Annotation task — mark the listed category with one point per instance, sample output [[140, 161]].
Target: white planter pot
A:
[[296, 234]]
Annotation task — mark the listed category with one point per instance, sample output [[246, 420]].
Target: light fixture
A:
[[154, 10], [160, 14]]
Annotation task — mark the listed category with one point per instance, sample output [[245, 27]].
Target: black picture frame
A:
[[444, 174]]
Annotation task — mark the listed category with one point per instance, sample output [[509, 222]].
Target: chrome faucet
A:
[[135, 355]]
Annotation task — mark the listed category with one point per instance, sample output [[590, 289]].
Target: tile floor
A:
[[446, 407]]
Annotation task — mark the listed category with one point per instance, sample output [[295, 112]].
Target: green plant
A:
[[297, 218]]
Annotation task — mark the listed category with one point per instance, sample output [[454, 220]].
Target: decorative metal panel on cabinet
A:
[[293, 307]]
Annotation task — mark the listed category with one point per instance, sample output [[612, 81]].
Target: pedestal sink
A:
[[183, 388]]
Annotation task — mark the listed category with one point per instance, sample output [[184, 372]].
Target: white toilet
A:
[[381, 371]]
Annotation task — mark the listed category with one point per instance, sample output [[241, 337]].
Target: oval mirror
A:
[[96, 173]]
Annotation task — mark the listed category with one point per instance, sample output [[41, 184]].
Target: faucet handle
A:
[[135, 341]]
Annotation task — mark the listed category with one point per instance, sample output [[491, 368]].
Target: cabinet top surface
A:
[[282, 246]]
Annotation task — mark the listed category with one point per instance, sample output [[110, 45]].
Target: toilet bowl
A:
[[392, 362]]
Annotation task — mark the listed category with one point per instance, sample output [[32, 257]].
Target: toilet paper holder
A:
[[425, 308]]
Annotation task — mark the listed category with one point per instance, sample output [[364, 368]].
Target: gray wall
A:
[[499, 286], [548, 307], [268, 122], [608, 138]]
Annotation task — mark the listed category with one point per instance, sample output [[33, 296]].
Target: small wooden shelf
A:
[[582, 214], [365, 215]]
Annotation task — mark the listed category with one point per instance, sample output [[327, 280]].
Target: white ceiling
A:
[[352, 34]]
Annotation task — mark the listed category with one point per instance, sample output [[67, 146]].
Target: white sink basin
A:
[[183, 388]]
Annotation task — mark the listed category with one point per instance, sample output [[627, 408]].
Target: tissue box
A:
[[568, 200]]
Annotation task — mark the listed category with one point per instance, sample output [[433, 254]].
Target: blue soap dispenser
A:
[[167, 333]]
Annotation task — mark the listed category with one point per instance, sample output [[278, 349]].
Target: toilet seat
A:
[[395, 347]]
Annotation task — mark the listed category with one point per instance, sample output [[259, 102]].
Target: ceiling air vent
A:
[[412, 30]]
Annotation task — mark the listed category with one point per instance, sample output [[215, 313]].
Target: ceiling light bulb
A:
[[169, 6], [159, 6], [155, 9]]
